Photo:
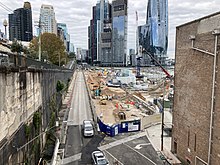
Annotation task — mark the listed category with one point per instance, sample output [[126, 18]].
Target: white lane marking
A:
[[121, 141], [140, 154], [72, 158], [114, 157]]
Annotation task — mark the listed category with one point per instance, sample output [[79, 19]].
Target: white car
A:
[[88, 129], [98, 158]]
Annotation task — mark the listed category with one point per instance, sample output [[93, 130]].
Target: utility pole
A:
[[39, 42], [40, 26], [162, 116]]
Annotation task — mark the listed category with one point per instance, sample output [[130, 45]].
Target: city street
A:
[[78, 148]]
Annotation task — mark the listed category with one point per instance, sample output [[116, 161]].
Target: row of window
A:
[[119, 8]]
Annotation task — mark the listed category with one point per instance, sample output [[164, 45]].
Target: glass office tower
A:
[[100, 14], [20, 24], [154, 35], [119, 35]]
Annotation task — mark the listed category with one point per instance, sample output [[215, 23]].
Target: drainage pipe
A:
[[213, 101], [213, 91]]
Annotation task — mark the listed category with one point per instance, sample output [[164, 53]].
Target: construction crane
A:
[[158, 63]]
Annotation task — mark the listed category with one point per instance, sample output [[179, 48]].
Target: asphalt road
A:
[[78, 149]]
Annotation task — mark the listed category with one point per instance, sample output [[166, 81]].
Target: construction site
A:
[[123, 103]]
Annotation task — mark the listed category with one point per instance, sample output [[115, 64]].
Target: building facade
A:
[[196, 114], [153, 36], [20, 24], [101, 14], [65, 36], [119, 32], [107, 33], [47, 19]]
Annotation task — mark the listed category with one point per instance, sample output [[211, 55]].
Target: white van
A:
[[88, 129]]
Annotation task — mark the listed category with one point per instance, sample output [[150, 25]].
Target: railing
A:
[[18, 60]]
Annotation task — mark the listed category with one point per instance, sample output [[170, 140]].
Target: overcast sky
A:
[[77, 14]]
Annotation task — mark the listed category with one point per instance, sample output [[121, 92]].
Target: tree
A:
[[52, 48], [16, 46], [72, 55]]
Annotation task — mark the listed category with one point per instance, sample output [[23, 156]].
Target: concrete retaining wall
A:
[[150, 120], [23, 92]]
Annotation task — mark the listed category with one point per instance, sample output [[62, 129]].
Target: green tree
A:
[[52, 46], [72, 55], [16, 46]]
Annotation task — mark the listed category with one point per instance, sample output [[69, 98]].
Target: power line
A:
[[5, 7]]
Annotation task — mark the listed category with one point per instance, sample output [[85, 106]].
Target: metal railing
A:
[[18, 60]]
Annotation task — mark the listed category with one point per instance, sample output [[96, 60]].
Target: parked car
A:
[[98, 158], [88, 129]]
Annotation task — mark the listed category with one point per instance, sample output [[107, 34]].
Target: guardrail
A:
[[18, 60]]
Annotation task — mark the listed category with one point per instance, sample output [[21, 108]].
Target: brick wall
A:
[[193, 88]]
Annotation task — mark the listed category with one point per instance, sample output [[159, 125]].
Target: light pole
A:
[[162, 116], [40, 26], [39, 44]]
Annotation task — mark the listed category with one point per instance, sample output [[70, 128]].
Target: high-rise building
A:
[[101, 14], [196, 112], [106, 37], [47, 19], [153, 37], [132, 56], [20, 24], [119, 32], [66, 36]]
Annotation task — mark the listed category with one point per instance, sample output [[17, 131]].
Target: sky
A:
[[77, 14]]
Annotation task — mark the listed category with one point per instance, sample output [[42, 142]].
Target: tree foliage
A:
[[16, 46], [52, 48], [72, 55], [60, 86]]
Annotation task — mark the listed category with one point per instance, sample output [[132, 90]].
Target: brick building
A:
[[196, 115]]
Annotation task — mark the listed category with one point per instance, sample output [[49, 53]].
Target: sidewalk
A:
[[63, 116], [154, 135]]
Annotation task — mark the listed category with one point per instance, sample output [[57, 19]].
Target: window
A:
[[175, 147], [188, 138], [195, 143]]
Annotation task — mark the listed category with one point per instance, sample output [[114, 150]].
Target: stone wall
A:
[[23, 92], [193, 89]]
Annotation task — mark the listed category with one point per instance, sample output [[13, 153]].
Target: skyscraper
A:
[[153, 36], [119, 33], [20, 24], [66, 36], [47, 19], [100, 14]]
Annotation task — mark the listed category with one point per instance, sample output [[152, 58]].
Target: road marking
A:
[[140, 154], [115, 159], [139, 146], [121, 141], [72, 158]]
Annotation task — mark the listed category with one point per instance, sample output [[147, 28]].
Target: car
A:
[[88, 129], [98, 158]]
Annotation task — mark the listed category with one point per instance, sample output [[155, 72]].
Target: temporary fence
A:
[[123, 127]]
